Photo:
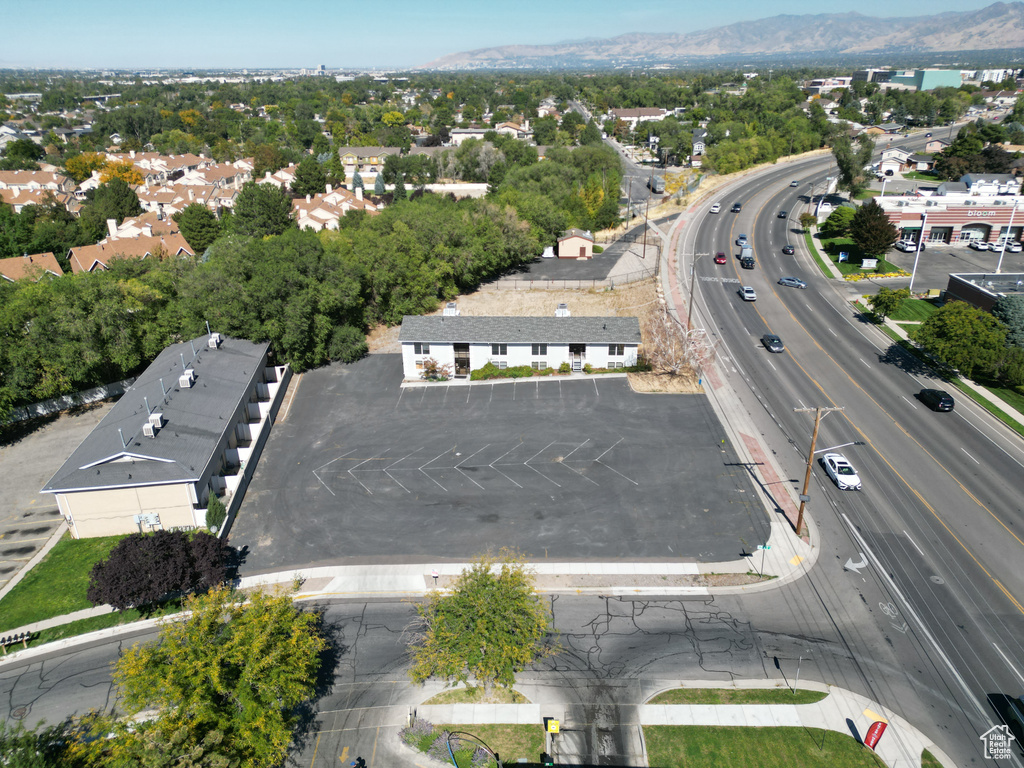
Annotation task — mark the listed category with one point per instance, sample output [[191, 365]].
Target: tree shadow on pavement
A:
[[307, 717], [897, 356]]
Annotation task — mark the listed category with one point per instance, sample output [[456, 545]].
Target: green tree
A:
[[963, 337], [112, 200], [378, 185], [310, 177], [851, 160], [1010, 310], [357, 181], [231, 670], [198, 226], [399, 192], [808, 220], [489, 625], [887, 302], [838, 222], [591, 134], [871, 230], [261, 210]]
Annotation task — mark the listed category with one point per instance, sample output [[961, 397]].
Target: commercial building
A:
[[468, 343], [984, 289], [191, 426], [911, 79], [957, 217]]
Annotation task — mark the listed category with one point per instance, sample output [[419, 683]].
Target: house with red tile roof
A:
[[89, 258], [32, 267]]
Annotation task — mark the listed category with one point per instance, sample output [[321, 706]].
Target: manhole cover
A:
[[19, 713], [937, 579]]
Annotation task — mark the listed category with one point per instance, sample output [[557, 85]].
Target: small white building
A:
[[468, 343]]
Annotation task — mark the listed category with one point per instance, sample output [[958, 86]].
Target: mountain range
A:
[[995, 27]]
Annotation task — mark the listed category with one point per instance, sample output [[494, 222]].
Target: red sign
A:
[[874, 733]]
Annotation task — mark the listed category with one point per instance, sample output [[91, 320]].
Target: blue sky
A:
[[196, 34]]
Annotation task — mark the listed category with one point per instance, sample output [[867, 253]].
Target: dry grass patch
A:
[[475, 694], [653, 382]]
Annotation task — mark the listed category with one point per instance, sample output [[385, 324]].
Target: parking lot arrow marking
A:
[[855, 567]]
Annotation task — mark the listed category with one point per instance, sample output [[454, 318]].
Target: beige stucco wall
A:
[[110, 512]]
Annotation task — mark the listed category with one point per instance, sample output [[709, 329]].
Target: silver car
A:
[[748, 293], [792, 282]]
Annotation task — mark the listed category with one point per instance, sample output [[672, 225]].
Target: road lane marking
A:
[[1008, 662], [833, 333], [914, 543], [972, 458], [909, 403], [862, 360]]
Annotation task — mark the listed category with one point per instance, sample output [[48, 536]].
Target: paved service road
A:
[[560, 468], [938, 524]]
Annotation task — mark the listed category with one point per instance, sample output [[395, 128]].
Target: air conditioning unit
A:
[[451, 310], [214, 341], [149, 430], [186, 379], [562, 310], [156, 419]]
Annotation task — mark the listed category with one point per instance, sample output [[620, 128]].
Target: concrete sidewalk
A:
[[840, 711]]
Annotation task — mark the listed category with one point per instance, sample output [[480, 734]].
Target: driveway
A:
[[360, 469]]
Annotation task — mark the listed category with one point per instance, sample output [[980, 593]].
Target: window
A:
[[539, 365], [499, 349], [616, 350], [421, 349], [419, 365], [614, 364], [502, 365], [540, 349]]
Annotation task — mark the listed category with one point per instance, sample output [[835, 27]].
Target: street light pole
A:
[[917, 255], [810, 460], [1006, 238]]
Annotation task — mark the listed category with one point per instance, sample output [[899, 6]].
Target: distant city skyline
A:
[[229, 34]]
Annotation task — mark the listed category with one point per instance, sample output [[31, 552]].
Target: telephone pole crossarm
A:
[[810, 460]]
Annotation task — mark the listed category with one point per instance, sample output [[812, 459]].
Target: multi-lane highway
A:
[[939, 520]]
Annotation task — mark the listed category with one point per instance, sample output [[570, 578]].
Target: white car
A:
[[742, 241], [841, 471], [716, 207], [979, 245], [748, 293], [909, 246]]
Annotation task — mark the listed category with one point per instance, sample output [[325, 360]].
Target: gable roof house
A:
[[88, 258], [366, 160], [32, 267], [576, 244], [36, 180], [323, 211], [191, 426], [468, 343]]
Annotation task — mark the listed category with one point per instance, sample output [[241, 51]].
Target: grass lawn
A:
[[928, 760], [921, 176], [867, 194], [57, 585], [817, 256], [512, 742], [915, 310], [834, 245], [738, 696], [95, 623], [475, 695], [676, 746]]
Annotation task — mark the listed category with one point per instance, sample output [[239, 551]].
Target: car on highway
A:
[[841, 471], [979, 245], [927, 135], [909, 246], [792, 282], [794, 183], [783, 214], [720, 257], [716, 208], [742, 241], [788, 249], [748, 293], [773, 343], [936, 399], [737, 207]]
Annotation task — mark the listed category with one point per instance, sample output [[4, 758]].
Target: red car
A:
[[720, 257]]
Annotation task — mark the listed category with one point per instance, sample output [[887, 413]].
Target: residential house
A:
[[369, 161], [88, 258], [635, 116], [323, 211], [466, 344], [19, 198], [191, 427], [222, 175], [935, 145], [36, 180], [32, 267], [281, 179], [459, 135]]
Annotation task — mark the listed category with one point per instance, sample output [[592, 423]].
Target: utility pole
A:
[[810, 460], [646, 209]]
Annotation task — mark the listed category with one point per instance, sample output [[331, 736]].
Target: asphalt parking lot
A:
[[939, 260], [360, 469]]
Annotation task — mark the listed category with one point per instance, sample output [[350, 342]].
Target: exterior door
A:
[[461, 359]]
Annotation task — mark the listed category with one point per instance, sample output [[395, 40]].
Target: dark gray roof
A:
[[971, 178], [952, 186], [195, 420], [520, 330]]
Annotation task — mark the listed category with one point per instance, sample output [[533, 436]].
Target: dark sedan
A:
[[788, 249]]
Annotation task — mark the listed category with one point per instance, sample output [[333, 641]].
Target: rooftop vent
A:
[[214, 341], [156, 419], [562, 310], [186, 379], [149, 429], [451, 310]]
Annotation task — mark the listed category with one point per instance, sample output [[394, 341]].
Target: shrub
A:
[[416, 734], [642, 365], [588, 368], [565, 368], [518, 372], [487, 371], [439, 749], [598, 249], [544, 371], [215, 513], [434, 371]]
